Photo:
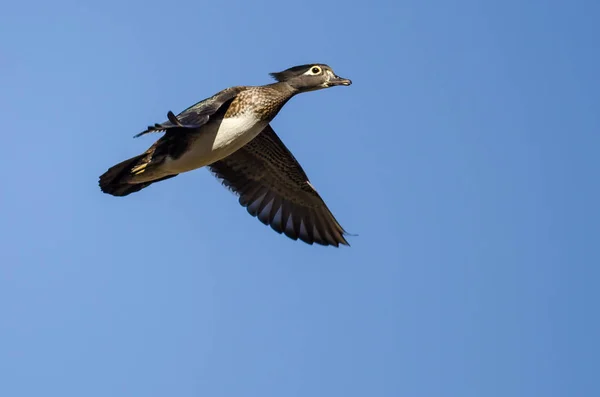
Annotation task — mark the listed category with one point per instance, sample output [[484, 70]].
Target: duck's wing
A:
[[273, 187], [198, 114]]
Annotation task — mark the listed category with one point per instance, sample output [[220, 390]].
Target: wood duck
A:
[[230, 134]]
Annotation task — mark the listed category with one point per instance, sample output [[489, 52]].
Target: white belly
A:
[[216, 141]]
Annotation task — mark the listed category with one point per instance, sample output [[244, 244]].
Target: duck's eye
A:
[[316, 70]]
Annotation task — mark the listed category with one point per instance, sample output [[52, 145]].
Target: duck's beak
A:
[[337, 80]]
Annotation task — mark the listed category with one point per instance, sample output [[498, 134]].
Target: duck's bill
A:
[[338, 81]]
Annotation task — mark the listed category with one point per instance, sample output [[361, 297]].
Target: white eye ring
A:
[[314, 70]]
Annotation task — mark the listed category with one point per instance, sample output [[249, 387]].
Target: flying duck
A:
[[230, 134]]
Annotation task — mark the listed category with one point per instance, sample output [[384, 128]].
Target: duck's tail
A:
[[116, 181]]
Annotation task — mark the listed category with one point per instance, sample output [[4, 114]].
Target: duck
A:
[[230, 133]]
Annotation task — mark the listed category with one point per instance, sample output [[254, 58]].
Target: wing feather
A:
[[274, 188], [196, 115]]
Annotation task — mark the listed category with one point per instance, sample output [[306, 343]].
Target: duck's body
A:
[[215, 141], [230, 133], [230, 128]]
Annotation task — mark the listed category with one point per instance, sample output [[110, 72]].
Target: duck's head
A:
[[310, 77]]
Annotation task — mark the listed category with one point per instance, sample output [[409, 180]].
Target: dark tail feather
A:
[[112, 181]]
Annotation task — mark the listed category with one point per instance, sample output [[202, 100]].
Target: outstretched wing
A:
[[274, 188], [196, 115]]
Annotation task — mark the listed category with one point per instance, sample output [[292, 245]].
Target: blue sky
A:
[[465, 156]]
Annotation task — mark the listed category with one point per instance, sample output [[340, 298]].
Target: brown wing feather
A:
[[198, 114], [273, 187]]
